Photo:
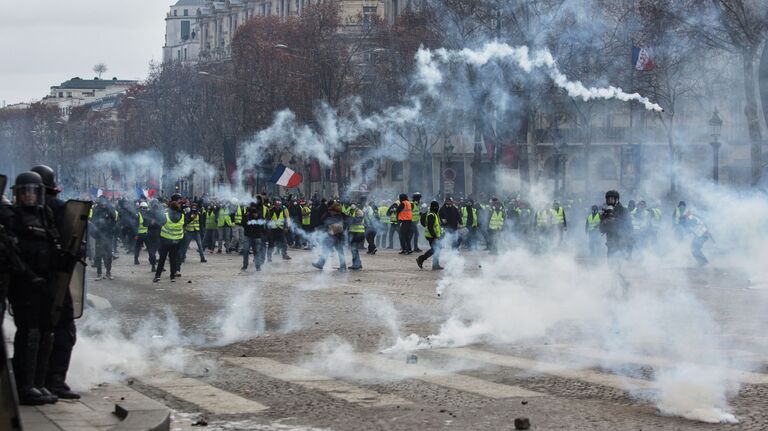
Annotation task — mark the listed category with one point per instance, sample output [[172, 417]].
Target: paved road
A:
[[293, 348]]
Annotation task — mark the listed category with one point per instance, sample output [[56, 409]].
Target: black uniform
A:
[[64, 331], [103, 224], [31, 299], [616, 224]]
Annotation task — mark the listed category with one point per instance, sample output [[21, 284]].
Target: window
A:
[[606, 169], [69, 94], [175, 12], [185, 53], [61, 94], [178, 54], [369, 13], [397, 171], [184, 30], [186, 12]]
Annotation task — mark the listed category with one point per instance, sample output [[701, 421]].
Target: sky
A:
[[46, 42]]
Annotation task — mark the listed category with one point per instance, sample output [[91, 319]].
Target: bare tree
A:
[[739, 27], [99, 69]]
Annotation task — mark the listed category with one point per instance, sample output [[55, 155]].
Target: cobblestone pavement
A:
[[307, 357]]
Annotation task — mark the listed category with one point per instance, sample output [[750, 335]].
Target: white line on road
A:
[[442, 378], [590, 376], [202, 394], [306, 378], [657, 361]]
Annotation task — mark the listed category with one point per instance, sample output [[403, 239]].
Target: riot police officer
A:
[[30, 291], [64, 331], [616, 224]]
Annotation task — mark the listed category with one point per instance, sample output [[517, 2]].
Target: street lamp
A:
[[715, 125]]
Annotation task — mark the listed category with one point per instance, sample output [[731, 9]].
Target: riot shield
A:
[[9, 410], [72, 233]]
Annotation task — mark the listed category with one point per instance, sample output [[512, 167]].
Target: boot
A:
[[28, 395], [41, 372], [420, 262], [202, 260], [59, 387]]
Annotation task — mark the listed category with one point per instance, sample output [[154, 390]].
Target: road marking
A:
[[202, 394], [590, 376], [442, 378], [308, 379], [660, 362]]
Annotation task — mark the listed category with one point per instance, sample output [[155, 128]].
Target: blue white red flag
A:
[[286, 177], [641, 59]]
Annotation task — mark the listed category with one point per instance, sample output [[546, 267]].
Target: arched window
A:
[[576, 168], [606, 169]]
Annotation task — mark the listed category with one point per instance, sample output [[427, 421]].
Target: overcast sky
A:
[[46, 42]]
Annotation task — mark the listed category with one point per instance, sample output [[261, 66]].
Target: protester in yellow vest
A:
[[171, 236], [433, 232], [496, 225], [356, 235], [592, 229], [142, 236], [192, 233], [416, 210], [279, 223]]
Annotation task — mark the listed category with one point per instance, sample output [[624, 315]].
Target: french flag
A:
[[286, 177], [641, 59]]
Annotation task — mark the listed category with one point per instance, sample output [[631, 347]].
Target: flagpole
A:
[[630, 136]]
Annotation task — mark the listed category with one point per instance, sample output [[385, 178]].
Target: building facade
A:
[[202, 30], [79, 92]]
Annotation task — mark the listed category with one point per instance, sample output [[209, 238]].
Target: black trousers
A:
[[169, 249], [370, 236], [64, 339], [103, 253], [405, 234], [151, 248]]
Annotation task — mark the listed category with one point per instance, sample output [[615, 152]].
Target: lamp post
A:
[[715, 125]]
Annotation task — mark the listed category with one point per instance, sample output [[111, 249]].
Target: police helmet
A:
[[612, 193], [28, 190], [47, 174]]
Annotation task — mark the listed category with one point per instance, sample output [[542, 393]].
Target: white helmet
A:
[[143, 205]]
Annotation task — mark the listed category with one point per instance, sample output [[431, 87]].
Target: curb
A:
[[142, 416]]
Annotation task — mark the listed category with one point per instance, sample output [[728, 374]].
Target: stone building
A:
[[202, 30]]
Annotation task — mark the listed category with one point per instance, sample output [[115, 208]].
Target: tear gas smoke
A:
[[241, 319], [648, 307], [430, 75]]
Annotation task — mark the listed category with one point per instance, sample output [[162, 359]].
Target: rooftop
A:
[[190, 3], [96, 84]]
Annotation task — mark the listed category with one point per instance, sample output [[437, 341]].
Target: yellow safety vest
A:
[[558, 216], [497, 220], [416, 215], [357, 225], [278, 220], [194, 224], [210, 220], [224, 219], [435, 226], [542, 218], [142, 229], [171, 230], [465, 213], [383, 217], [594, 221], [239, 215], [306, 215]]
